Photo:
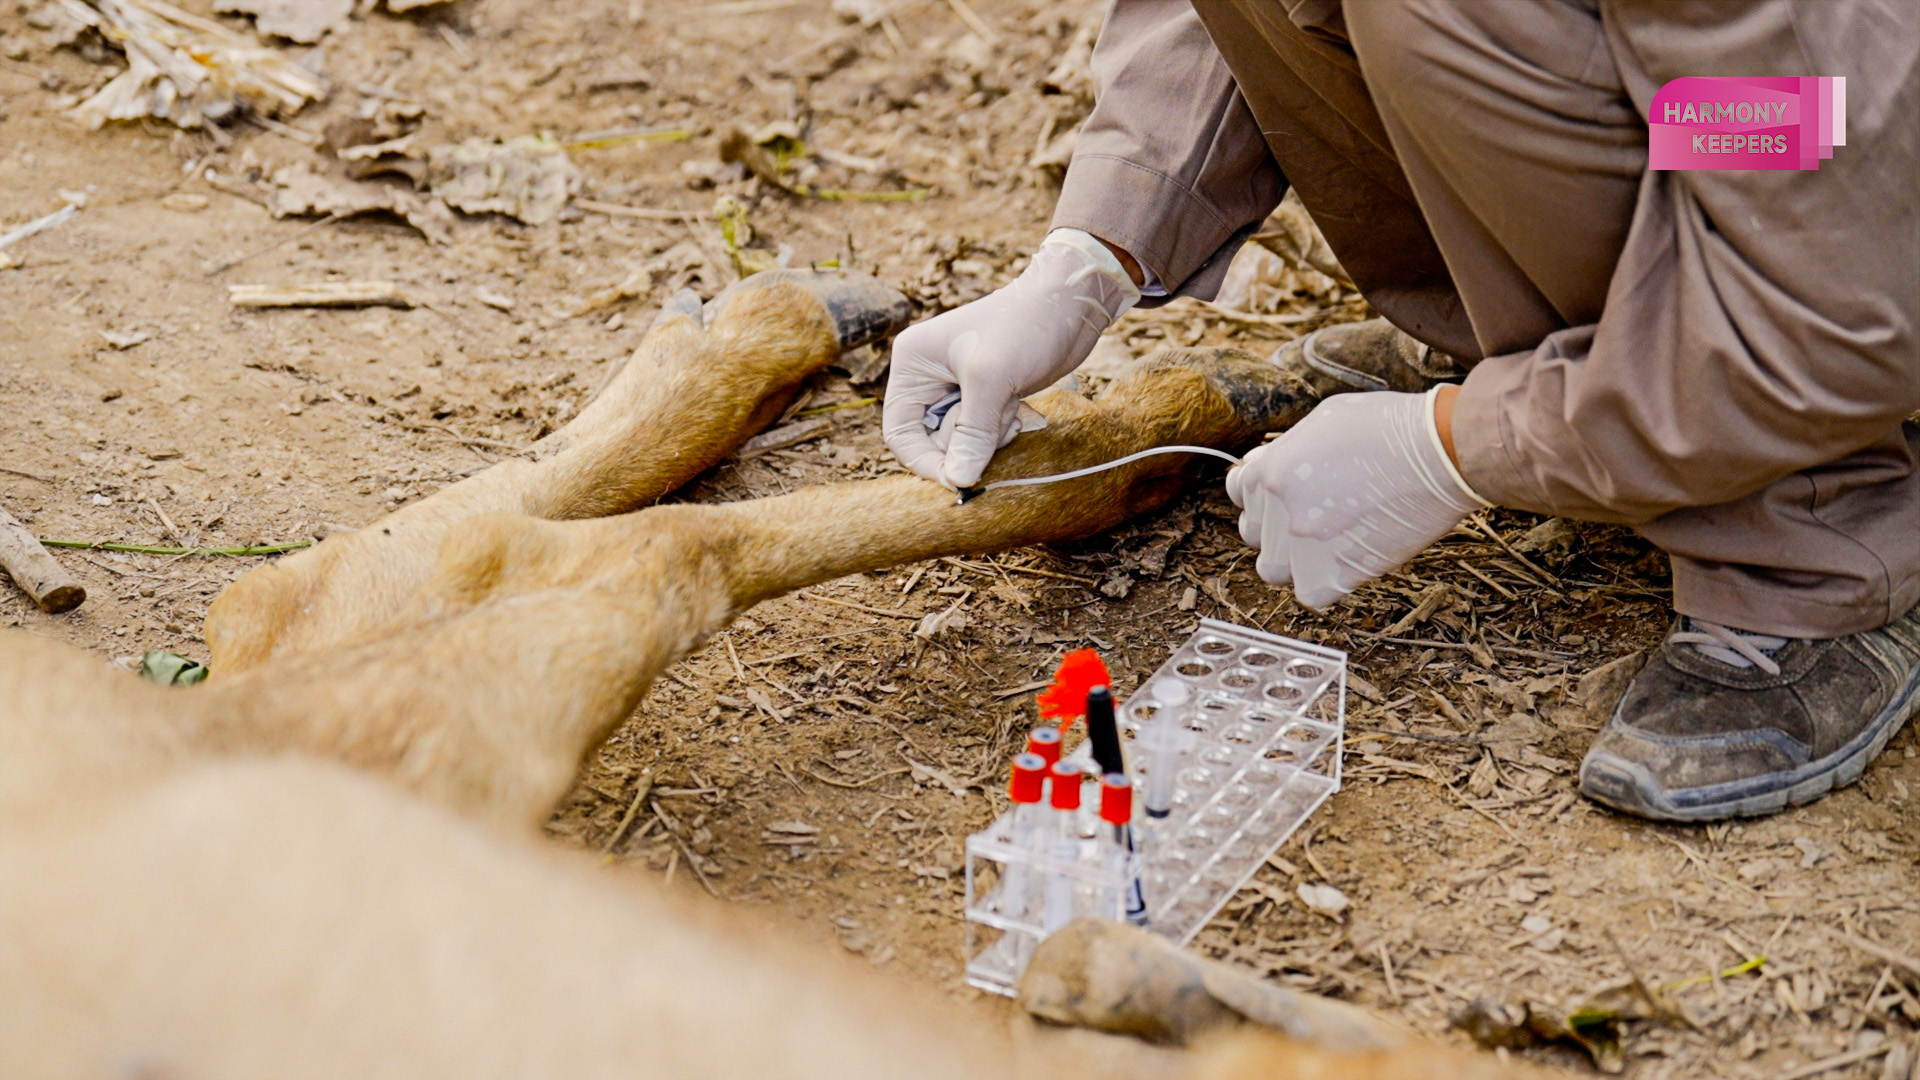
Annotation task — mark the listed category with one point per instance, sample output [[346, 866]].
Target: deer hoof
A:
[[683, 304], [1370, 355], [862, 309], [1266, 398]]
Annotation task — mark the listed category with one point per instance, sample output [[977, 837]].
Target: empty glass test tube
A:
[[1063, 845]]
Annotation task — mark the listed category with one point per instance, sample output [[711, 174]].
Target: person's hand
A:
[[995, 351], [1356, 489]]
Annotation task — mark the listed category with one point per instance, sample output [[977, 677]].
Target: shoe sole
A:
[[1629, 787]]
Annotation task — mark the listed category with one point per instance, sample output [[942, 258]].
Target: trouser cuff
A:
[[1725, 595]]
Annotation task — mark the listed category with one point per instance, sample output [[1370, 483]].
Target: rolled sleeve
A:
[[1171, 166]]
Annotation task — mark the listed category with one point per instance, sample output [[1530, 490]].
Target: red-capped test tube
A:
[[1064, 796], [1116, 801], [1116, 809], [1045, 741], [1064, 844], [1029, 780], [1027, 786]]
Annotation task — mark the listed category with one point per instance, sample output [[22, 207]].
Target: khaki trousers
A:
[[1723, 359]]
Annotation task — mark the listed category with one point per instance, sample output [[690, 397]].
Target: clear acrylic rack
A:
[[1237, 737]]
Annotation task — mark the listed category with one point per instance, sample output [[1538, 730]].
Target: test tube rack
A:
[[1246, 727]]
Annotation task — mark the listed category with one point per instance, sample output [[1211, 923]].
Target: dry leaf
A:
[[187, 70], [1323, 899], [304, 21], [297, 189], [934, 624], [525, 178]]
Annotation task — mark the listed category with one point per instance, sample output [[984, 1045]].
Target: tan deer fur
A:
[[300, 868]]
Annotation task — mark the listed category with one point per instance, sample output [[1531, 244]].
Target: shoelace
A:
[[1735, 648]]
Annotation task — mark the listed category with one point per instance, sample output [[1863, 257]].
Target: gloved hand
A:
[[1356, 489], [995, 351]]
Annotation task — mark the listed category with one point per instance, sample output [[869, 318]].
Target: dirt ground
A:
[[822, 760]]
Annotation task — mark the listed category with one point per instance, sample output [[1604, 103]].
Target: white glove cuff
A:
[[1102, 260], [1440, 448]]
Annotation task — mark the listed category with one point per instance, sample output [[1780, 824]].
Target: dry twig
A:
[[323, 294], [26, 561], [1877, 951], [633, 808]]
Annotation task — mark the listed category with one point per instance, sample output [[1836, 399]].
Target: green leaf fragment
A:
[[171, 669]]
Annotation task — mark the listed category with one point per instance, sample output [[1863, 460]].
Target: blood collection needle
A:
[[967, 494]]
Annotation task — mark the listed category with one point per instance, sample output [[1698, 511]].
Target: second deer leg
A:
[[689, 395]]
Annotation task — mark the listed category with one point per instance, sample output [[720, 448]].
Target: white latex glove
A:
[[995, 351], [1356, 489]]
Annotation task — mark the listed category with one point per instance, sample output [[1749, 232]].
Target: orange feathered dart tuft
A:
[[1066, 700]]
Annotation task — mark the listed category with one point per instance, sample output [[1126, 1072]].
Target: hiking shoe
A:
[[1723, 723], [1370, 355]]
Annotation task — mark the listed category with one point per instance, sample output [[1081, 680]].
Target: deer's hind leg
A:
[[698, 385]]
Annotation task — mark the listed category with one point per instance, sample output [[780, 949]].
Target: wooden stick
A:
[[31, 568], [1493, 534], [1836, 1061], [839, 36], [859, 607], [1878, 951], [323, 294], [1386, 968], [782, 437], [692, 862], [973, 21], [38, 225], [172, 529], [29, 475], [643, 212], [633, 808], [1424, 643], [744, 7], [282, 242]]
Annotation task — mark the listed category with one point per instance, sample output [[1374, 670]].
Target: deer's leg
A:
[[1222, 398], [698, 385], [534, 639]]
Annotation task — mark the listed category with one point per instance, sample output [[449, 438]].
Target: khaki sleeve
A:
[[1725, 359], [1171, 166]]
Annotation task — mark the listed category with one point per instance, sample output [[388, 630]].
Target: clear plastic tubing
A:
[[1116, 842], [1063, 844], [967, 494], [1026, 787]]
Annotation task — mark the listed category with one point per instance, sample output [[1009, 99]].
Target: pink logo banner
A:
[[1706, 122]]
